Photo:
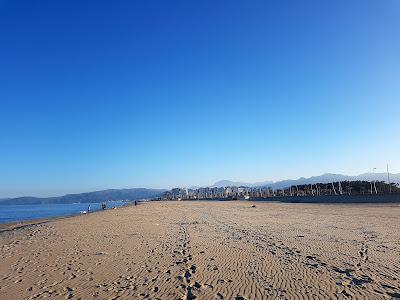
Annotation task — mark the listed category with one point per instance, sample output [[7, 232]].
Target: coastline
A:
[[326, 199], [24, 222], [21, 224]]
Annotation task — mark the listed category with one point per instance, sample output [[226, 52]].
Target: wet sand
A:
[[207, 250]]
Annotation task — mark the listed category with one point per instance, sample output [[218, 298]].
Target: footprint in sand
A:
[[219, 296]]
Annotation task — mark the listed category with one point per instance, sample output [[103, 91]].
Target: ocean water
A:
[[14, 213]]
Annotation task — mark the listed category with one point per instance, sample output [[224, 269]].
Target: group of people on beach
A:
[[103, 206]]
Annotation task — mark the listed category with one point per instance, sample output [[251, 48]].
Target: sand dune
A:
[[207, 250]]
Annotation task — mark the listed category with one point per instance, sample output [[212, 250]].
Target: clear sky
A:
[[114, 94]]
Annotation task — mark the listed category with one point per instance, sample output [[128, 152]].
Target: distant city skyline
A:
[[97, 95]]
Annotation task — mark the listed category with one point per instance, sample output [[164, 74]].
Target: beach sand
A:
[[207, 250]]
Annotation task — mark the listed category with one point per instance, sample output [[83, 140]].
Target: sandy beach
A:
[[207, 250]]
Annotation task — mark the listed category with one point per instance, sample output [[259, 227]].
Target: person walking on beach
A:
[[135, 203], [88, 209]]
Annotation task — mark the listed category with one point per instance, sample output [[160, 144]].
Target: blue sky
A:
[[113, 94]]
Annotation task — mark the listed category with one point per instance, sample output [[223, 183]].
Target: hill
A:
[[324, 178], [91, 197]]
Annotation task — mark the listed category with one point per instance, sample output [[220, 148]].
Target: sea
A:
[[16, 213]]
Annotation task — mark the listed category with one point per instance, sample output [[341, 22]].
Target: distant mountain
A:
[[224, 183], [379, 177], [324, 178], [263, 183], [93, 197]]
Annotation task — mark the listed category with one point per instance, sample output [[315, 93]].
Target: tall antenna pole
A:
[[333, 186], [373, 172], [390, 186], [371, 187]]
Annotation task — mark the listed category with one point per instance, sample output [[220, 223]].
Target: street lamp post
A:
[[373, 174]]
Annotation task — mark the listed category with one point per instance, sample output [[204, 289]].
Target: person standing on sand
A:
[[135, 203], [88, 209]]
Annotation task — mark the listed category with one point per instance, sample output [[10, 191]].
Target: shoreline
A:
[[4, 227], [26, 223], [7, 226]]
